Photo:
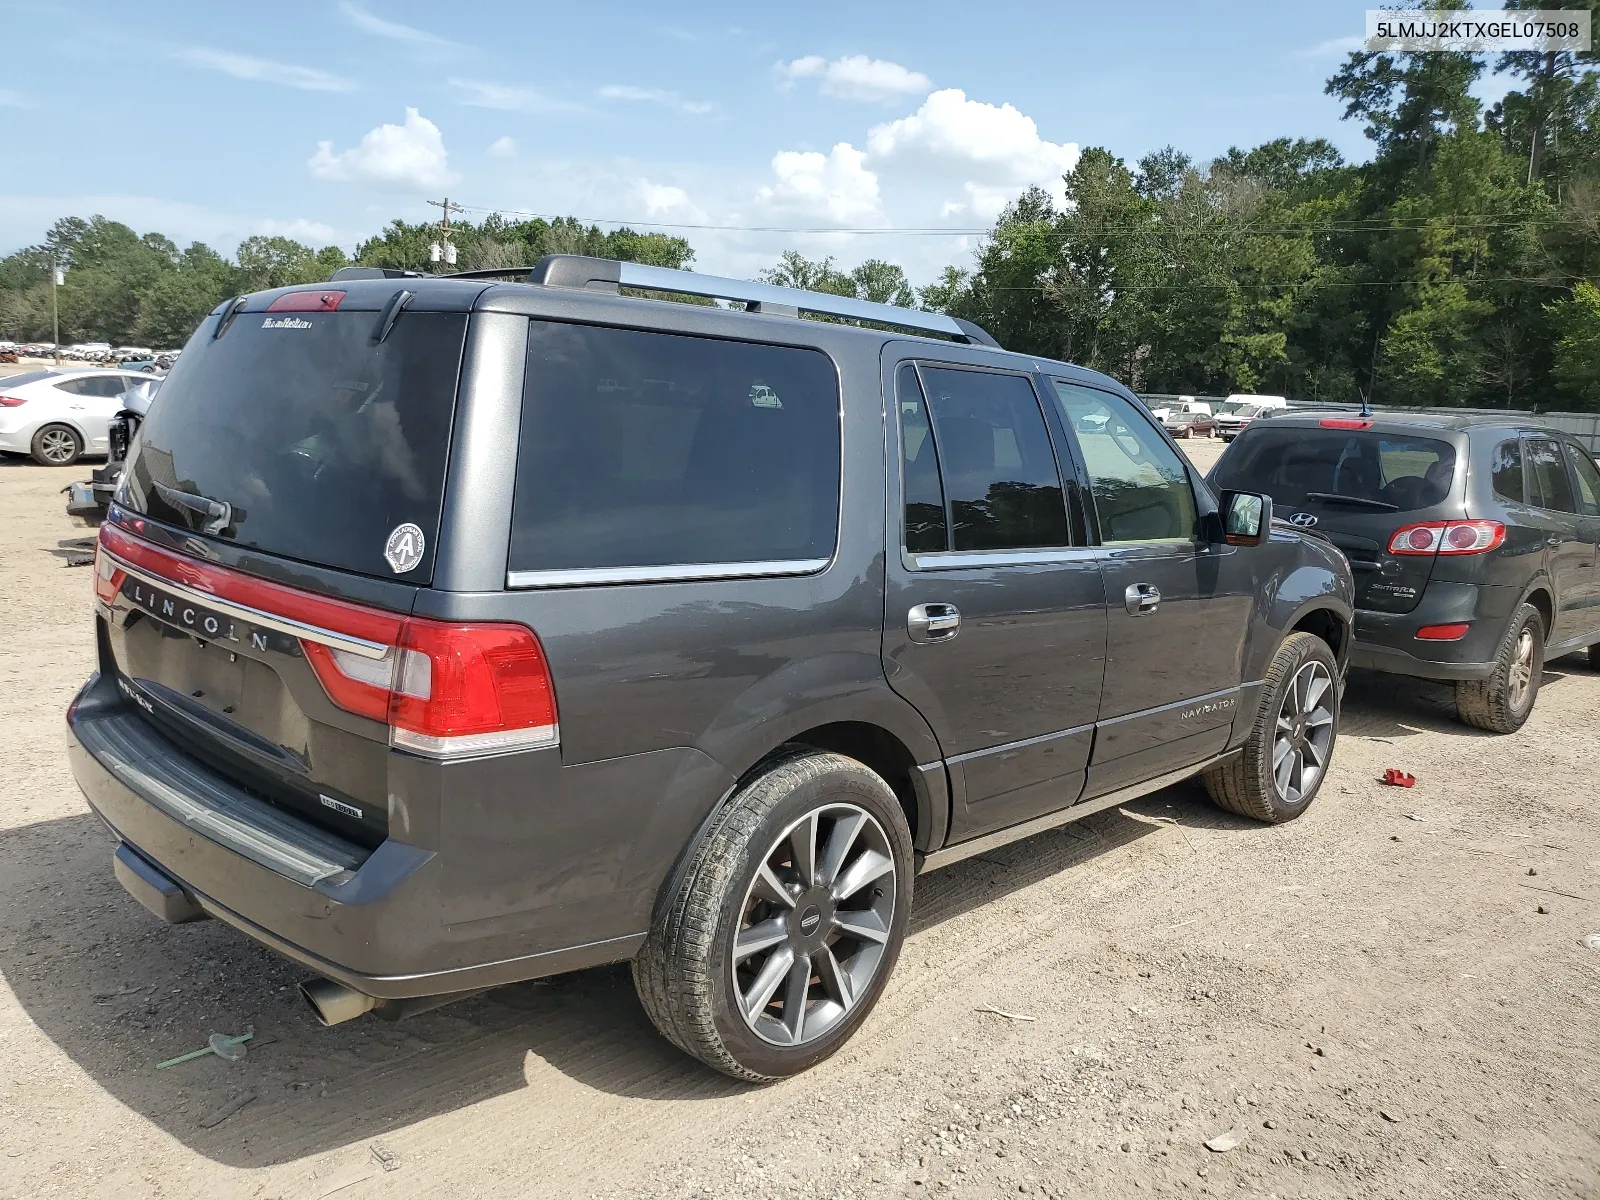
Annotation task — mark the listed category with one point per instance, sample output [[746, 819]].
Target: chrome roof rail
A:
[[608, 275]]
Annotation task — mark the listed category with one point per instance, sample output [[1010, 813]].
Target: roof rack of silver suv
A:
[[609, 275]]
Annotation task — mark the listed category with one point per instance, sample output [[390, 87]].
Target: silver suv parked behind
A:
[[455, 632]]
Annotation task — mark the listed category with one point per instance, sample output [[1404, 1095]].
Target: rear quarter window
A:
[[642, 449], [1505, 472]]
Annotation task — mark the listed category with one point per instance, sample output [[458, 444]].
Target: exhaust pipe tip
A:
[[334, 1003]]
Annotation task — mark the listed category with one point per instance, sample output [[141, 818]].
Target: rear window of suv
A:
[[1300, 466], [643, 450], [296, 435]]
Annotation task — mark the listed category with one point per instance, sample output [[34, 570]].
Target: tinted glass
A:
[[995, 457], [1588, 477], [1550, 475], [1141, 489], [653, 449], [109, 385], [1303, 466], [926, 530], [78, 386], [322, 443], [1505, 472]]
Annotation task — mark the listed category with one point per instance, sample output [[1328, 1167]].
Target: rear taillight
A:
[[445, 689], [1448, 537], [108, 577], [12, 401], [1443, 633]]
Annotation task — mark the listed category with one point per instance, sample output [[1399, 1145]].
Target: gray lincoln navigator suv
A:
[[457, 631]]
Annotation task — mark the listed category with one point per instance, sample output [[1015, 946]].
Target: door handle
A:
[[1552, 540], [1141, 598], [933, 622]]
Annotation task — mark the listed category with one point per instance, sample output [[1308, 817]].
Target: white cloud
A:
[[410, 156], [996, 148], [372, 23], [482, 93], [300, 229], [623, 91], [665, 201], [505, 147], [836, 186], [262, 70], [856, 77]]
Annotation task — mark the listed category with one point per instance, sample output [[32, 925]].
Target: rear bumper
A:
[[190, 844], [1388, 641]]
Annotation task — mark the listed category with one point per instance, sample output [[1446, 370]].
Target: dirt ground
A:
[[1387, 997]]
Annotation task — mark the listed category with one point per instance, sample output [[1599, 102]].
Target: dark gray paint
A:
[[502, 868]]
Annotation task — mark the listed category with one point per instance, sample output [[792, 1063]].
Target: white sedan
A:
[[59, 416]]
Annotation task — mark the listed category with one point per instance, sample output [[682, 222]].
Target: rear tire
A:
[[1286, 757], [1504, 701], [763, 940], [56, 446]]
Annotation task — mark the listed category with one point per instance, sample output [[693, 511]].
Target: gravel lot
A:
[[1387, 997]]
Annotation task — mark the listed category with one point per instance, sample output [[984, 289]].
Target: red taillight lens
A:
[[108, 577], [12, 401], [1448, 537], [445, 690], [1344, 423], [318, 301], [1442, 633]]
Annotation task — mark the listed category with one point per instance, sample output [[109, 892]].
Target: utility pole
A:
[[445, 252], [58, 276]]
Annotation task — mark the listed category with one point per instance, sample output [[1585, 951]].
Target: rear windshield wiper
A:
[[1360, 501], [215, 515]]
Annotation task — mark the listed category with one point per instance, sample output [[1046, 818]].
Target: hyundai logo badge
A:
[[1304, 520]]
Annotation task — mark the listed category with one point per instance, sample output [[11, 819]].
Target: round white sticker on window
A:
[[404, 549]]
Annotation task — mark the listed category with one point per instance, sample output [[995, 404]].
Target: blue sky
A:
[[768, 122]]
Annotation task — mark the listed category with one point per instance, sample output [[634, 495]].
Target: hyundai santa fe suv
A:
[[1472, 539], [455, 631]]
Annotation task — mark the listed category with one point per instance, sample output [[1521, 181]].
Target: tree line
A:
[[1460, 265]]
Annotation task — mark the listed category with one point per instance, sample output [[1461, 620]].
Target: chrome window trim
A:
[[946, 560], [672, 573], [311, 633]]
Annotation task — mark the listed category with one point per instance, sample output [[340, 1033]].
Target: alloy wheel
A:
[[1521, 675], [814, 924], [57, 446], [1303, 738]]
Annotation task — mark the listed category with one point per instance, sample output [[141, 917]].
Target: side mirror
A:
[[1246, 518]]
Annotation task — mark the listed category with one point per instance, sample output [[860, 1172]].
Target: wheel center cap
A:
[[810, 919]]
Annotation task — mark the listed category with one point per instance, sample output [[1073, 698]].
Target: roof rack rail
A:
[[375, 273], [609, 275]]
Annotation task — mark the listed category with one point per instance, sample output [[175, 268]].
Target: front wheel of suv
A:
[[1286, 757], [786, 922], [1502, 702]]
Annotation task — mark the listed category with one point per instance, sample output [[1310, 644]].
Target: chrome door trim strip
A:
[[298, 629], [1022, 743], [948, 559], [674, 573]]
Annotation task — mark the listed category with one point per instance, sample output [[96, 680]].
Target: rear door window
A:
[[643, 449], [1505, 472], [1306, 466], [999, 471], [298, 436], [927, 528], [1549, 473]]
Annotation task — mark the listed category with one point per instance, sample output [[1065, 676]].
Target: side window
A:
[[75, 387], [999, 471], [109, 385], [1141, 489], [1505, 471], [926, 529], [1588, 477], [657, 449], [1550, 475]]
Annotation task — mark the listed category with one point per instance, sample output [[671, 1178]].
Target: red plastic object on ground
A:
[[1395, 777]]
